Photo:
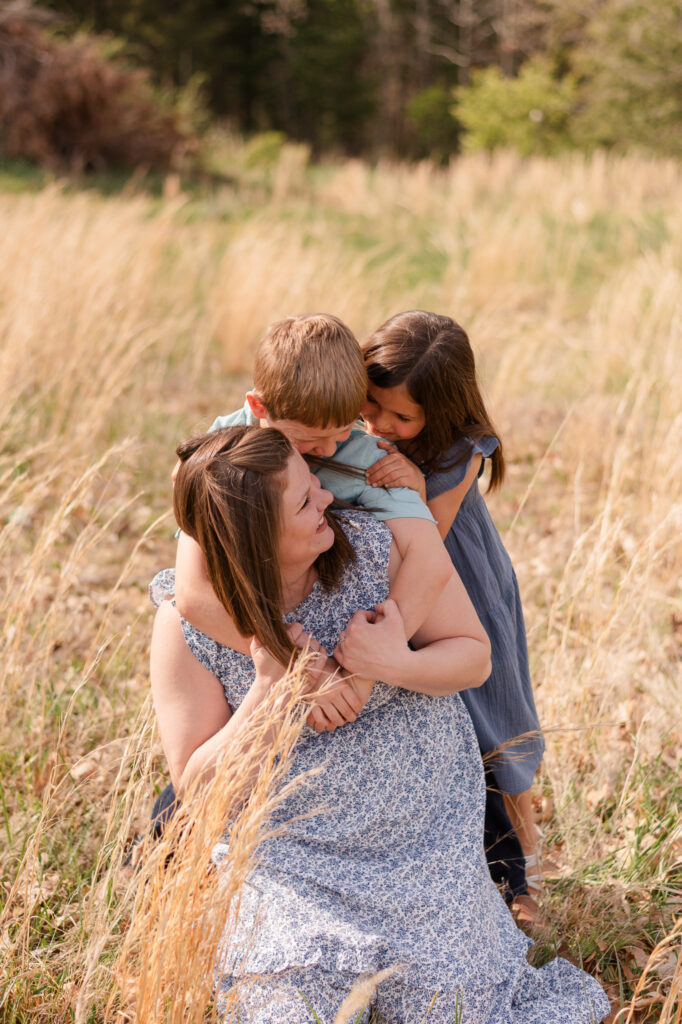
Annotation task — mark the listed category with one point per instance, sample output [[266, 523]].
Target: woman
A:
[[393, 871]]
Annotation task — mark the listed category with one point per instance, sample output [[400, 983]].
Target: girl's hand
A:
[[334, 700], [396, 470], [374, 644]]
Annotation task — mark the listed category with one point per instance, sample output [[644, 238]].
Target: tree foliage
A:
[[71, 105], [531, 112], [630, 66], [435, 126], [382, 76]]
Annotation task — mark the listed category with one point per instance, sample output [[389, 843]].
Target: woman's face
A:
[[391, 413], [304, 530]]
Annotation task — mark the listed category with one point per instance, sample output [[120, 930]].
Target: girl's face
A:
[[304, 530], [391, 413]]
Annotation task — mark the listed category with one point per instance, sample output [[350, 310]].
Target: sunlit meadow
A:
[[128, 322]]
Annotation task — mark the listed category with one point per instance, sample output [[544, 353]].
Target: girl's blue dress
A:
[[376, 860], [503, 708]]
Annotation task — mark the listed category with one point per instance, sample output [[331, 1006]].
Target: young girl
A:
[[424, 400]]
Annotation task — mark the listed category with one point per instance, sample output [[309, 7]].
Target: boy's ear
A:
[[256, 406]]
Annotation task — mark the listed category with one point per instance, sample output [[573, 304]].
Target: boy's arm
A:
[[425, 570], [195, 598]]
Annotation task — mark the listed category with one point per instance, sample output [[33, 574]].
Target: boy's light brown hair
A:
[[309, 368]]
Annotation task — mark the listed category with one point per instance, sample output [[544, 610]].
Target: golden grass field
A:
[[128, 322]]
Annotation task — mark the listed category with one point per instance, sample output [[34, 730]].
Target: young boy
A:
[[310, 383]]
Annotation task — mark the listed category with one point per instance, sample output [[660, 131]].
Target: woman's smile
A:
[[305, 531]]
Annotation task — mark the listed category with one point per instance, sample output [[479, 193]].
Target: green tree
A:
[[435, 127], [629, 63], [530, 113]]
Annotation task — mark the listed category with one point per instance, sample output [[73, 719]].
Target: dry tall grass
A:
[[126, 323]]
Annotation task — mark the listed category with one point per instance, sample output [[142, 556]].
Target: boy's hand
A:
[[268, 669], [396, 470], [374, 643], [334, 700]]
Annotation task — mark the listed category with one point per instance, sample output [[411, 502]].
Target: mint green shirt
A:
[[359, 450]]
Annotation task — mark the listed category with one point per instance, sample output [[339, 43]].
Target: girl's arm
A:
[[445, 507], [452, 649]]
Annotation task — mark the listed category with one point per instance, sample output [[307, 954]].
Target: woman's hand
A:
[[396, 470], [374, 644], [334, 700]]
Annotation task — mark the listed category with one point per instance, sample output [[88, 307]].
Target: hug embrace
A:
[[371, 546]]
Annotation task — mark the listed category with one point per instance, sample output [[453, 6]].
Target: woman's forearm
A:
[[374, 644], [445, 666], [201, 764]]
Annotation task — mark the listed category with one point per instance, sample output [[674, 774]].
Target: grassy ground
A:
[[127, 321]]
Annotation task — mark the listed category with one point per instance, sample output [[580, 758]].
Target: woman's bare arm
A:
[[195, 721], [451, 649]]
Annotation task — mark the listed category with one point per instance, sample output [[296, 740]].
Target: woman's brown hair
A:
[[431, 355], [227, 497]]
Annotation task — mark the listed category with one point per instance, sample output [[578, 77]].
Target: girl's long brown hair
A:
[[227, 497], [431, 355]]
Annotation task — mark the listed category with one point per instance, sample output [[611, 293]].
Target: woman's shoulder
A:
[[162, 587], [370, 538]]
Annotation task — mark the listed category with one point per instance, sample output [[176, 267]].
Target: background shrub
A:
[[73, 104], [435, 127], [530, 113]]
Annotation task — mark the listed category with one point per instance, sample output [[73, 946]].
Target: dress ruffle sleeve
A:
[[162, 587], [458, 462]]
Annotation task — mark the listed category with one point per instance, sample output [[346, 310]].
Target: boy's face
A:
[[312, 440], [306, 440]]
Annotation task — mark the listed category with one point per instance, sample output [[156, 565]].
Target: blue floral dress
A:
[[391, 870]]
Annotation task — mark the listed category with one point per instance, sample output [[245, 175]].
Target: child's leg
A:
[[522, 816], [520, 810], [163, 810], [502, 848]]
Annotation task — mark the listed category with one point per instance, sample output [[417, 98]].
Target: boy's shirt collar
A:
[[359, 450]]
